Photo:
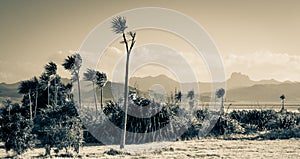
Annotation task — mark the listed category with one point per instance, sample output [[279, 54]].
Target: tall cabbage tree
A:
[[282, 97], [73, 63], [90, 75], [26, 88], [7, 103], [101, 80], [36, 87], [191, 94], [119, 26], [220, 94], [50, 71]]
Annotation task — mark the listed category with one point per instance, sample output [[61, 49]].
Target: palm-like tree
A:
[[101, 80], [36, 86], [220, 94], [90, 75], [282, 97], [50, 71], [119, 26], [178, 96], [26, 89], [8, 105], [191, 94], [73, 63], [51, 68]]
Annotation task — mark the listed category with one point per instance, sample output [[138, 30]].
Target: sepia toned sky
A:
[[258, 38]]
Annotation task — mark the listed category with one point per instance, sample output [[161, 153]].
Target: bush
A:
[[266, 119], [281, 134], [16, 129], [254, 117], [60, 128], [226, 125]]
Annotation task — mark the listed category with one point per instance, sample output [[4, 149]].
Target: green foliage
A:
[[16, 129]]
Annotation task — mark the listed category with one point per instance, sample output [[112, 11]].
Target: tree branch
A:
[[126, 43], [132, 42]]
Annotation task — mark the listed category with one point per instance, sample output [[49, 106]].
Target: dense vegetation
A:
[[47, 116]]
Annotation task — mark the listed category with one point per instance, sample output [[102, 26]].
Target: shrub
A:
[[16, 129], [281, 134], [266, 119], [226, 125], [60, 128]]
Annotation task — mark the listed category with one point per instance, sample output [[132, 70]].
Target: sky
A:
[[258, 38]]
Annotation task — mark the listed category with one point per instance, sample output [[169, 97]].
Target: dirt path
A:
[[205, 148]]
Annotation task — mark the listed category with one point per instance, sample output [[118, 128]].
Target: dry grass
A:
[[204, 148]]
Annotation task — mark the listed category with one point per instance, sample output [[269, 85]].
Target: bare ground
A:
[[203, 148]]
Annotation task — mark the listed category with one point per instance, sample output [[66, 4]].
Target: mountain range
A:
[[239, 88]]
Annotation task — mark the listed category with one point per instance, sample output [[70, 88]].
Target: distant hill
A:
[[145, 83], [9, 90], [239, 88], [265, 93], [239, 80]]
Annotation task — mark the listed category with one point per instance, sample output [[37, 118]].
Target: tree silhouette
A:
[[50, 71], [73, 63], [8, 105], [191, 94], [282, 97], [90, 75], [220, 94], [16, 129], [178, 96], [101, 80], [51, 68], [36, 87], [25, 88], [119, 26]]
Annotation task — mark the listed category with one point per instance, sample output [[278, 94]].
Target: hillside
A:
[[144, 84], [9, 90], [265, 93], [236, 80], [240, 88], [239, 80]]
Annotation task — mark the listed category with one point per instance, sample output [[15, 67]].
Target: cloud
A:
[[264, 65], [153, 60]]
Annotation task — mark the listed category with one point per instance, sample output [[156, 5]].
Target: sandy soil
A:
[[204, 148]]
